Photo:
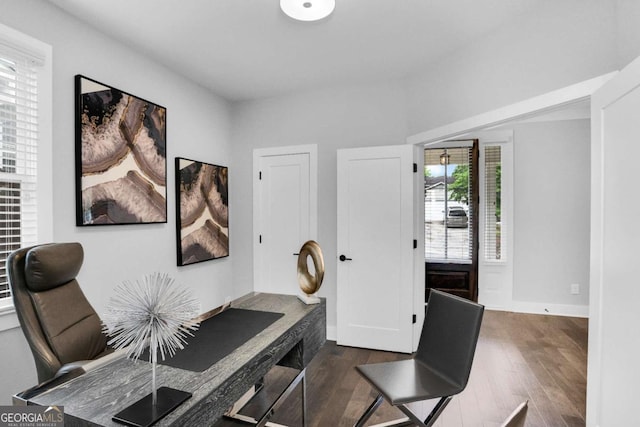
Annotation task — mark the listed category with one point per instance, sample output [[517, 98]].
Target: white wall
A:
[[566, 42], [198, 126], [332, 119], [552, 214], [628, 31], [563, 43]]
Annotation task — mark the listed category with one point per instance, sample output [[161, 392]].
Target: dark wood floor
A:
[[542, 359]]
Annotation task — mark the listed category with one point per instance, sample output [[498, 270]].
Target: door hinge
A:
[[415, 168], [414, 319], [415, 244], [260, 238], [260, 175]]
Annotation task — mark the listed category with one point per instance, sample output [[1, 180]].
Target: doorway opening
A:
[[451, 218]]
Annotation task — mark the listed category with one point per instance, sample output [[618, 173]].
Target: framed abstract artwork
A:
[[121, 166], [202, 213]]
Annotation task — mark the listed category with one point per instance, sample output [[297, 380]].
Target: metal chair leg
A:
[[370, 410], [433, 415], [411, 420], [304, 401], [283, 396]]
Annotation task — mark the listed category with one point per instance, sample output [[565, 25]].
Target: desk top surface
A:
[[97, 395]]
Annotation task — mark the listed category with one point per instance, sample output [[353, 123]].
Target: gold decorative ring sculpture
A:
[[310, 283]]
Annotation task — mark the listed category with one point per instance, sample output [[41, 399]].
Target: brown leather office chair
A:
[[61, 327], [440, 368]]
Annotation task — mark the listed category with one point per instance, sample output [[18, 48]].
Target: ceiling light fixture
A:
[[307, 10]]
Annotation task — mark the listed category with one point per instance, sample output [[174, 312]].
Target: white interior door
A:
[[614, 347], [285, 215], [375, 248]]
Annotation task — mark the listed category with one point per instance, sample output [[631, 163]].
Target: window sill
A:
[[496, 262], [447, 261]]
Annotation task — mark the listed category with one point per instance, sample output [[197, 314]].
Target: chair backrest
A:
[[57, 320], [449, 336]]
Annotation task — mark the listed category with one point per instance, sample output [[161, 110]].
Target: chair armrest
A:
[[66, 373], [90, 365]]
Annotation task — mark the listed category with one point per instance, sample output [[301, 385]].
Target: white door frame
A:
[[598, 404], [545, 103], [312, 151], [521, 110]]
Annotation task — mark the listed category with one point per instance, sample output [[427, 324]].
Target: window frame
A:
[[504, 140], [30, 46]]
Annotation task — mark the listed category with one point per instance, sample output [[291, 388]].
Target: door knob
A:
[[344, 258]]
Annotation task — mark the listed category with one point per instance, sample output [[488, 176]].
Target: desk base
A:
[[144, 414], [264, 421]]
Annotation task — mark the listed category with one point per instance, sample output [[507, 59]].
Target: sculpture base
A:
[[309, 299], [144, 414]]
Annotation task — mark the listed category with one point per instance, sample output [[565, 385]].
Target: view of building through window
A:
[[448, 216]]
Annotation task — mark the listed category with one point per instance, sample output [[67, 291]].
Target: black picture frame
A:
[[202, 211], [120, 156]]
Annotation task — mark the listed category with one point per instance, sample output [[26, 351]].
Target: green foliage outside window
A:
[[498, 191], [460, 187]]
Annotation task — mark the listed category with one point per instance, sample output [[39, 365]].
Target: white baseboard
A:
[[568, 310], [550, 309], [332, 333]]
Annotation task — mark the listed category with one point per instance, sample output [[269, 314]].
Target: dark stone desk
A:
[[293, 340]]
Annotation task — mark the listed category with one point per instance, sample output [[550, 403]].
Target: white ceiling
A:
[[244, 49]]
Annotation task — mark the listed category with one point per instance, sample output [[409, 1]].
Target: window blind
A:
[[493, 231], [448, 213], [18, 154]]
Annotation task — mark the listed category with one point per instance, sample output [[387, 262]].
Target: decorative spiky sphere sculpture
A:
[[150, 312]]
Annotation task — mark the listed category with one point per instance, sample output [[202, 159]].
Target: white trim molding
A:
[[568, 310], [528, 108], [521, 110]]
